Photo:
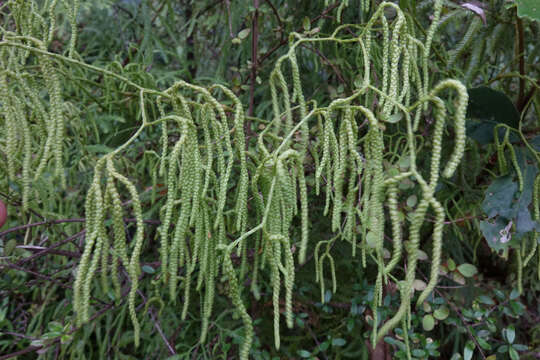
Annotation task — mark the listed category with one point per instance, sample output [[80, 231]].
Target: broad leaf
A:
[[529, 9]]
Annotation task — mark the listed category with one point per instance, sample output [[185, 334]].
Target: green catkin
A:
[[396, 228], [501, 159], [198, 169], [120, 248], [519, 266], [437, 8], [234, 294], [88, 260], [536, 198], [476, 55], [274, 253], [11, 126], [532, 250], [171, 196], [514, 161], [465, 41], [134, 262], [339, 177], [304, 222]]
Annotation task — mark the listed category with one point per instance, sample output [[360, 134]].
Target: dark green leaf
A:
[[487, 108], [499, 196]]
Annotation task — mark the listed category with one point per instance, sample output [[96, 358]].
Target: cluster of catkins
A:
[[207, 228]]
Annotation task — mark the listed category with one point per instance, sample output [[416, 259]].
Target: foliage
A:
[[215, 178]]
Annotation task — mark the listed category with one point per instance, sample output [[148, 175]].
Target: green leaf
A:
[[428, 322], [487, 108], [243, 34], [513, 353], [55, 326], [306, 23], [148, 269], [467, 270], [451, 264], [392, 119], [468, 351], [304, 353], [371, 240], [510, 334], [528, 9], [324, 345], [412, 200], [491, 230], [9, 247], [338, 342], [441, 313], [98, 149], [483, 343], [419, 353], [419, 285], [484, 299], [514, 294], [499, 196]]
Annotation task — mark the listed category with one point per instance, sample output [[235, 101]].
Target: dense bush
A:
[[269, 179]]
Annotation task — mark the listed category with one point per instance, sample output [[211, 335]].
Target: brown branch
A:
[[329, 63], [521, 54], [49, 249], [284, 41], [61, 221], [254, 61]]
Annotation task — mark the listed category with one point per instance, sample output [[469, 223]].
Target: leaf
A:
[[467, 270], [492, 233], [484, 299], [392, 119], [428, 322], [148, 269], [441, 313], [412, 200], [371, 240], [513, 353], [528, 9], [487, 108], [475, 9], [483, 343], [55, 326], [419, 353], [510, 334], [468, 351], [404, 163], [514, 294], [243, 33], [499, 195], [306, 23], [304, 353], [338, 342], [535, 143], [451, 264], [457, 277], [9, 247], [422, 256], [98, 149], [419, 285]]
